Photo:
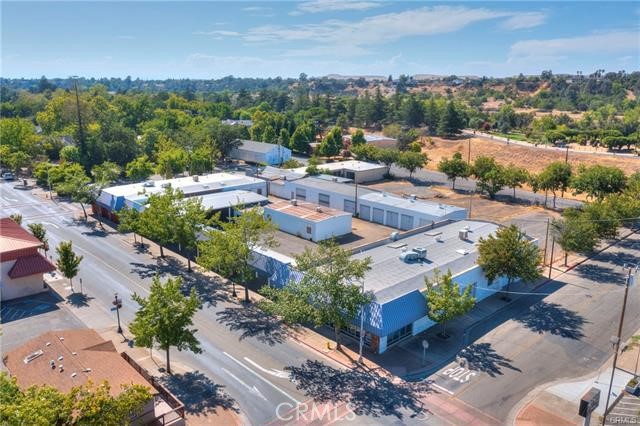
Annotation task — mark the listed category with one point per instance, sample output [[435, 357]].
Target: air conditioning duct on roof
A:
[[414, 255], [196, 178], [394, 236], [319, 209], [294, 202], [463, 234]]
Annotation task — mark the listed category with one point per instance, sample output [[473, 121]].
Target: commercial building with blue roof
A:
[[397, 278]]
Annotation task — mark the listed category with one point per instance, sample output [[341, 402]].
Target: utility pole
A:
[[566, 160], [553, 244], [546, 241], [616, 343], [471, 191], [361, 329], [83, 147]]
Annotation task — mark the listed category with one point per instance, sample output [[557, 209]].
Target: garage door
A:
[[349, 206], [378, 216], [406, 222], [365, 212], [392, 219]]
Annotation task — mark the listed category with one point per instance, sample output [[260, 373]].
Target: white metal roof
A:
[[350, 165], [414, 205], [221, 200], [390, 277]]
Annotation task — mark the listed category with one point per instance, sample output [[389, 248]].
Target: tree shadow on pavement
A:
[[198, 393], [365, 393], [482, 357], [552, 318], [619, 258], [210, 289], [79, 300], [599, 273], [251, 321]]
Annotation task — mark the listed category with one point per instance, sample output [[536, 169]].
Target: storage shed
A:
[[261, 153], [405, 213], [308, 220], [357, 171]]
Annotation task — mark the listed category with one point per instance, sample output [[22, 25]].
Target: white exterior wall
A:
[[287, 190], [332, 227], [369, 175], [20, 287], [419, 218], [382, 345]]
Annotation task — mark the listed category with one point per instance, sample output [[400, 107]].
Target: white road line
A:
[[52, 224], [442, 389], [251, 389], [263, 379], [277, 373]]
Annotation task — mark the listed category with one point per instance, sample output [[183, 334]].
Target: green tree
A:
[[140, 168], [39, 231], [192, 218], [598, 181], [328, 292], [332, 143], [83, 405], [68, 261], [366, 152], [106, 173], [450, 122], [555, 177], [509, 253], [454, 168], [228, 251], [412, 161], [17, 160], [515, 177], [574, 234], [302, 137], [159, 218], [165, 318], [444, 299], [388, 156], [489, 174], [70, 153], [358, 138], [412, 112], [171, 162], [16, 217], [129, 221], [78, 187]]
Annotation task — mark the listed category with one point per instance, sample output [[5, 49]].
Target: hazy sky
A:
[[155, 39]]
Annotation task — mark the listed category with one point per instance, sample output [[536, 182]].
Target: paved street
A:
[[540, 339]]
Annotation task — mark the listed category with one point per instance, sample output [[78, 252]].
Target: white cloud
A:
[[255, 8], [611, 42], [125, 37], [524, 20], [316, 6], [218, 33]]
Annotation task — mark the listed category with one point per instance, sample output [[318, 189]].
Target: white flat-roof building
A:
[[135, 195], [357, 171], [261, 153], [405, 213], [383, 208], [379, 141], [307, 220]]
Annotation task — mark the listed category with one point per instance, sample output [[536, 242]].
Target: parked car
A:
[[8, 176]]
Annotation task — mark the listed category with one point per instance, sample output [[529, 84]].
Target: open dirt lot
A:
[[533, 159]]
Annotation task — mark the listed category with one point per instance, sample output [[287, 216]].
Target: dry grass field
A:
[[531, 158]]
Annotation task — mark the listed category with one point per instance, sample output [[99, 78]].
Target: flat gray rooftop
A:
[[334, 187], [419, 206], [390, 277], [222, 200]]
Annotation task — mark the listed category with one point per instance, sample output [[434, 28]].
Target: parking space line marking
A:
[[435, 385]]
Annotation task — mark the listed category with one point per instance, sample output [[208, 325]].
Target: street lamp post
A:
[[118, 304]]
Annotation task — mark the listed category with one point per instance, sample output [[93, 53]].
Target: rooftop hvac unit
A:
[[149, 183], [412, 197], [166, 185], [463, 234], [394, 236], [414, 255], [319, 209], [294, 202], [32, 356], [196, 178]]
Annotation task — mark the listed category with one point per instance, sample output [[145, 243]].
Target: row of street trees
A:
[[596, 181], [411, 159]]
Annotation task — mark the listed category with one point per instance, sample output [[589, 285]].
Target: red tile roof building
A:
[[21, 264]]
